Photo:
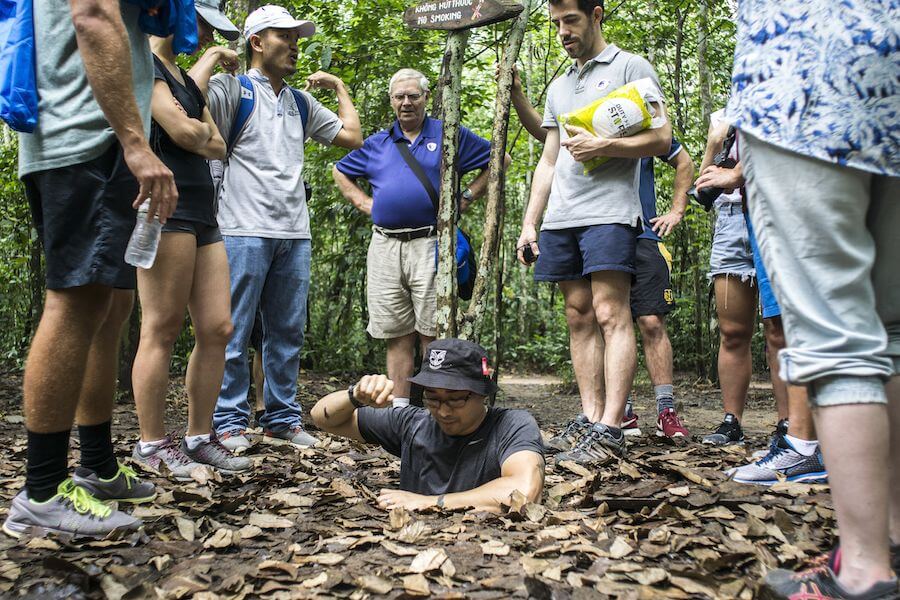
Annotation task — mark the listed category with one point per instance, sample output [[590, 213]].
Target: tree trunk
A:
[[702, 64], [678, 87], [495, 191], [445, 280]]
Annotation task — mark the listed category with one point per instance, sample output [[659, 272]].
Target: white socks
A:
[[192, 441], [804, 447], [146, 447]]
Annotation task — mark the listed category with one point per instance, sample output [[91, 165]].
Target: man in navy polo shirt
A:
[[401, 260]]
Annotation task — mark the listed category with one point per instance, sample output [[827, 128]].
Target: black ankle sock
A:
[[47, 467], [97, 450]]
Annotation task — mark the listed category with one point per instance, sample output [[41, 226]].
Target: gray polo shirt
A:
[[262, 191], [609, 193], [71, 128]]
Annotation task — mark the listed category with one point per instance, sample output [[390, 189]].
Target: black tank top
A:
[[196, 193]]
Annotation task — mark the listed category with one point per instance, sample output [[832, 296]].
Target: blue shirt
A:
[[399, 200], [647, 190], [820, 78]]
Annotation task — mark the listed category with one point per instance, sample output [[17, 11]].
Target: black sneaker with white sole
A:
[[729, 432]]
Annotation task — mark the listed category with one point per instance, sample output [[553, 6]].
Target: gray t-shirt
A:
[[609, 193], [71, 128], [262, 191], [432, 462]]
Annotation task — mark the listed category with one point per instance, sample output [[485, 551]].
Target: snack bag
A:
[[622, 113]]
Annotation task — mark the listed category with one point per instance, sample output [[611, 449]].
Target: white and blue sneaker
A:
[[782, 463]]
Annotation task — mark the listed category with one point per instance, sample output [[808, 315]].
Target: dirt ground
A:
[[663, 523]]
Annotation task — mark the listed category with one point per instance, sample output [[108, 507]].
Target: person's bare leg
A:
[[774, 334], [657, 348], [210, 308], [58, 357], [400, 362], [98, 390], [164, 290], [259, 379], [611, 292], [585, 346], [736, 309], [854, 440], [893, 393]]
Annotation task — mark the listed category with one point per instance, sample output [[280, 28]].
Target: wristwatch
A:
[[356, 403], [467, 195]]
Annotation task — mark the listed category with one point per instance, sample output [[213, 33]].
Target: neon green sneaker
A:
[[125, 486], [73, 511]]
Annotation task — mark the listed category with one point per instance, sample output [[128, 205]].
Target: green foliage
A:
[[364, 43]]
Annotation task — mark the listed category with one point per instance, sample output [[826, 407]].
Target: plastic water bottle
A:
[[144, 242]]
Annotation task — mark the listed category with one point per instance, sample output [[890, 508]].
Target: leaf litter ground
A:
[[663, 523]]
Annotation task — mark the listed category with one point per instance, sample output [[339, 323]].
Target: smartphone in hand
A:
[[528, 254]]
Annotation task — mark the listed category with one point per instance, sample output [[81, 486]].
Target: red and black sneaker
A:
[[630, 425], [669, 425], [820, 583]]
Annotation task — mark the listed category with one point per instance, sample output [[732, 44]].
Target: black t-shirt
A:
[[432, 462], [196, 193]]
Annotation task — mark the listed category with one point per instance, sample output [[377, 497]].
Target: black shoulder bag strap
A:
[[419, 172]]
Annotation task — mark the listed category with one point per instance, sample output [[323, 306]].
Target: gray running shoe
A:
[[295, 435], [73, 511], [782, 463], [235, 440], [599, 446], [166, 457], [729, 432], [124, 487], [217, 456], [566, 439]]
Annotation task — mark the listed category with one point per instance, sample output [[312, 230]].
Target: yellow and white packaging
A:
[[621, 113]]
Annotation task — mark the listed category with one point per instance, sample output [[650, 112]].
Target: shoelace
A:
[[176, 455], [772, 455], [130, 475], [571, 428], [82, 500], [670, 418]]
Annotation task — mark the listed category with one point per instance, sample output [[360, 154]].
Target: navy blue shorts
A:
[[83, 216], [570, 254]]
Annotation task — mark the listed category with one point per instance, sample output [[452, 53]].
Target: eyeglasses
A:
[[450, 402], [412, 97]]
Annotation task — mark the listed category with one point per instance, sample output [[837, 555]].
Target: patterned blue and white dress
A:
[[821, 78]]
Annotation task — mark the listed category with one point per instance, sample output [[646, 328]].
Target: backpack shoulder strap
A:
[[245, 109], [303, 107]]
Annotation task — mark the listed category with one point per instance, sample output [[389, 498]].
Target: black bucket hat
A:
[[454, 364]]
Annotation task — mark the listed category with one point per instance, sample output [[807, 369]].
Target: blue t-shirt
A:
[[399, 200], [647, 190]]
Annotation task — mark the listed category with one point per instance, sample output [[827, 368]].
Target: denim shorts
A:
[[205, 234], [767, 301], [570, 254], [84, 218], [731, 253]]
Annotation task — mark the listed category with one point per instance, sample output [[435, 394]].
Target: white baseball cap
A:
[[276, 17]]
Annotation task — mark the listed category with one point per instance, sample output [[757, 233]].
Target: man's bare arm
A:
[[651, 142], [715, 139], [540, 192], [530, 118], [684, 176], [352, 192], [336, 415], [106, 53]]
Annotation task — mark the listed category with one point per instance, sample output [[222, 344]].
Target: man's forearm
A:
[[105, 50], [540, 192], [348, 114], [204, 68], [530, 118], [352, 192], [333, 411], [684, 178], [490, 496], [650, 142]]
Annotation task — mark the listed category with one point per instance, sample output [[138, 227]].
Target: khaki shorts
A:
[[400, 287]]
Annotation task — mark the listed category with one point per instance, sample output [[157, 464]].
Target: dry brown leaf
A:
[[680, 491], [327, 558], [316, 581], [495, 547], [397, 549], [534, 566], [221, 538], [629, 470], [279, 566], [428, 560], [412, 533], [374, 584], [292, 500], [186, 528], [416, 585], [399, 517], [269, 521], [620, 548], [248, 532]]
